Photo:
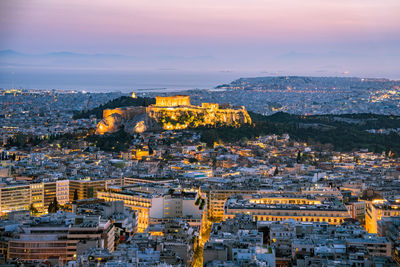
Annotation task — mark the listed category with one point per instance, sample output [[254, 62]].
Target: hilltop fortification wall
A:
[[126, 113]]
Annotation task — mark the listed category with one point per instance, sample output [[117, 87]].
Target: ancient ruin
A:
[[171, 113]]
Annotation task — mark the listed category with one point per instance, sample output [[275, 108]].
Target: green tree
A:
[[32, 209], [53, 206], [276, 172], [171, 191], [151, 151], [50, 209], [76, 194], [298, 157], [193, 160], [56, 205]]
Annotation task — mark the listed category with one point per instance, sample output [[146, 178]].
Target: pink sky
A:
[[217, 28]]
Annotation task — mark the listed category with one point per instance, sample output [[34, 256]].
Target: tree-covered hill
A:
[[343, 132], [123, 101]]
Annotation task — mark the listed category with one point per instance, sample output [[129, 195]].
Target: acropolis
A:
[[171, 113]]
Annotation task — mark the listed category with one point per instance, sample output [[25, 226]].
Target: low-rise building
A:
[[156, 205], [287, 206], [237, 242], [61, 237], [380, 209]]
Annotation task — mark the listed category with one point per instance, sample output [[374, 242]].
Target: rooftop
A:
[[234, 203]]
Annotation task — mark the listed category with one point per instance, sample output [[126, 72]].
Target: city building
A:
[[14, 196], [59, 238], [380, 209], [155, 205], [279, 207]]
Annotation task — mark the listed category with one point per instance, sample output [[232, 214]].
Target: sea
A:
[[108, 81]]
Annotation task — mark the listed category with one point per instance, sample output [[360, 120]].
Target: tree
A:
[[76, 194], [122, 101], [151, 151], [214, 163], [32, 209], [171, 191], [56, 205], [50, 209], [276, 172], [193, 160], [53, 206], [298, 157]]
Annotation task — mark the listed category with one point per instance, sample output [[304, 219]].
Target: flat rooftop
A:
[[246, 204]]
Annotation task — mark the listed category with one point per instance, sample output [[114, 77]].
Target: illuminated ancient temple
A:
[[172, 101]]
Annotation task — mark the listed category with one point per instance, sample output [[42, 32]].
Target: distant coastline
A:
[[159, 81], [125, 82]]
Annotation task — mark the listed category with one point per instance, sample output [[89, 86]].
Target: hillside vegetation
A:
[[123, 101], [342, 132]]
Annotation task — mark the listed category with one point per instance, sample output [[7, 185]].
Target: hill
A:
[[344, 132], [123, 101], [341, 132], [308, 83]]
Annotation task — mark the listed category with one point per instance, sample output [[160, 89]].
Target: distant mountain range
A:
[[70, 60], [63, 59], [10, 53]]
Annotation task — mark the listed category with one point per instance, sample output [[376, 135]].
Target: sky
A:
[[315, 37]]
